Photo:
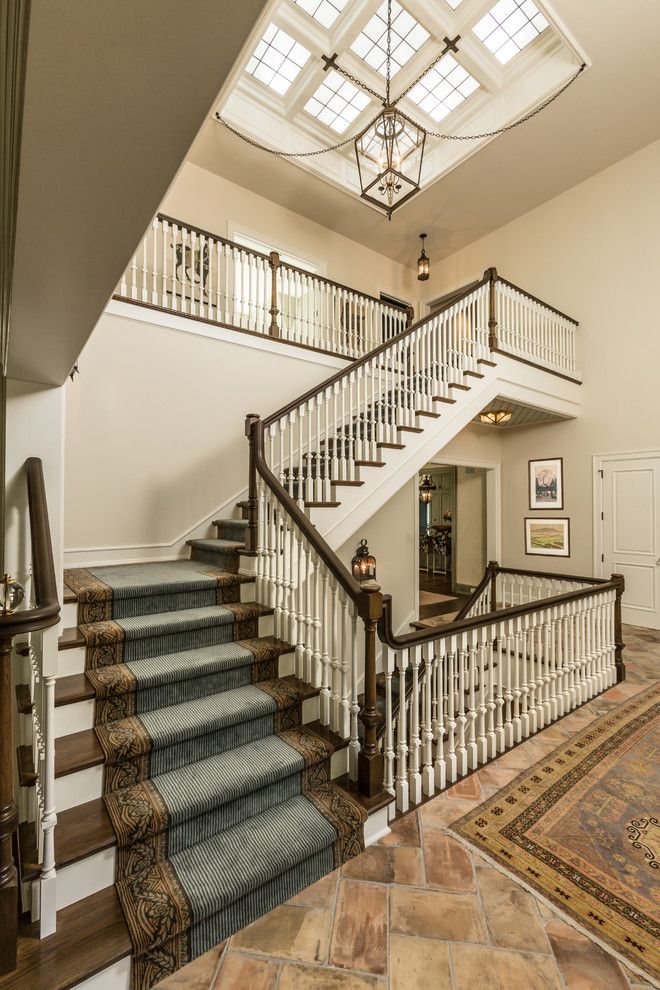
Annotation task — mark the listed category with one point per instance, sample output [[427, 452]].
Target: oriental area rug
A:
[[582, 829]]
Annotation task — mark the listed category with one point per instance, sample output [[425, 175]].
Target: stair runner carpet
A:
[[220, 799]]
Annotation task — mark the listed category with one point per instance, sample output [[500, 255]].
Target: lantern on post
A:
[[364, 563]]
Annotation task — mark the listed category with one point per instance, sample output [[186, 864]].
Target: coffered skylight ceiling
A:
[[501, 60]]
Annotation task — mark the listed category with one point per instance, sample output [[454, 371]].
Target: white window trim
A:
[[314, 265]]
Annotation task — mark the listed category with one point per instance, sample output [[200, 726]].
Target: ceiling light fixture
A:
[[495, 417], [390, 149], [423, 262], [427, 488]]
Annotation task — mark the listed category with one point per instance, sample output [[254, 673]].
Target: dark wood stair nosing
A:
[[378, 464], [71, 639], [27, 775], [390, 446], [347, 484], [443, 398], [77, 751], [410, 429], [460, 385], [73, 688], [322, 505], [23, 699], [473, 374], [424, 412]]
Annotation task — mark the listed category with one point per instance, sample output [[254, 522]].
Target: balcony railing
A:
[[183, 269]]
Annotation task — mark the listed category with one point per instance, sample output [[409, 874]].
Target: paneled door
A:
[[631, 534]]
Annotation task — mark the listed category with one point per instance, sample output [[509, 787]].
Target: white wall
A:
[[155, 439], [470, 526], [215, 204], [593, 252]]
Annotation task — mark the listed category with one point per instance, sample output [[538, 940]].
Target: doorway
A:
[[628, 537], [453, 538]]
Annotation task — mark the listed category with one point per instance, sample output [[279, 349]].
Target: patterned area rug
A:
[[581, 828]]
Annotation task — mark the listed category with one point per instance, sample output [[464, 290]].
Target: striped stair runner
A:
[[220, 798]]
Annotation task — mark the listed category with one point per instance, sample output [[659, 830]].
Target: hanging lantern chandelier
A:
[[390, 149], [423, 263], [427, 488]]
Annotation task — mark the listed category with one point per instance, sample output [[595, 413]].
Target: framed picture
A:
[[547, 537], [546, 484]]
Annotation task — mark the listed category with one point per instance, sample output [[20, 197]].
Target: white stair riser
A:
[[69, 615], [78, 788], [377, 825], [85, 877], [73, 661], [80, 715], [115, 977]]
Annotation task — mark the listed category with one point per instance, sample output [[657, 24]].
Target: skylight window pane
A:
[[443, 88], [408, 36], [509, 27], [337, 102], [325, 12], [454, 3], [277, 60]]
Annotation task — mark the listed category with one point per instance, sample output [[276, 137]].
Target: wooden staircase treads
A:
[[473, 374], [490, 364], [27, 775], [410, 429], [69, 690], [444, 398], [322, 505], [71, 639], [347, 484], [23, 699], [370, 463], [424, 412], [91, 935], [390, 446], [77, 751], [70, 597], [459, 385], [82, 831]]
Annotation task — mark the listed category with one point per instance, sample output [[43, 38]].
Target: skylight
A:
[[509, 27], [442, 88], [408, 36], [325, 12], [277, 59], [337, 102], [454, 3]]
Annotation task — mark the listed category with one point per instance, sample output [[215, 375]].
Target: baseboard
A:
[[99, 556]]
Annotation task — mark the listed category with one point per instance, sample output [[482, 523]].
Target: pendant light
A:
[[423, 262]]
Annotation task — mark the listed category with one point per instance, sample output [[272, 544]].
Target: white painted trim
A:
[[180, 323], [174, 550], [115, 977], [319, 266], [493, 499]]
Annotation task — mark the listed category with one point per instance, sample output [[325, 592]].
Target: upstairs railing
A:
[[319, 441], [29, 624], [183, 269]]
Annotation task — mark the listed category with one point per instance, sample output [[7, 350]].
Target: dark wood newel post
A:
[[618, 628], [370, 758], [274, 329], [8, 819], [493, 567], [251, 427], [491, 275]]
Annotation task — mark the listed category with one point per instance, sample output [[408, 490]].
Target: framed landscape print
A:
[[547, 537], [546, 484]]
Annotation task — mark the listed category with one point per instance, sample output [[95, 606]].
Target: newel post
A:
[[8, 819], [370, 758], [618, 628], [251, 421], [274, 329], [491, 275], [493, 567]]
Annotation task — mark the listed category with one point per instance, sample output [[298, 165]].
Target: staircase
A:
[[187, 771], [225, 724]]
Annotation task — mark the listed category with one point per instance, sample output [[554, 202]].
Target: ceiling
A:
[[114, 97], [608, 114], [521, 415]]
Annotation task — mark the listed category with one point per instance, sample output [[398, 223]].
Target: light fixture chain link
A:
[[388, 76]]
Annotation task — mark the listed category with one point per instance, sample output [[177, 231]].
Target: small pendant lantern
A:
[[423, 262], [363, 563], [427, 488]]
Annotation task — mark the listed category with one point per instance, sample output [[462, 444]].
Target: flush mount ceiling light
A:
[[389, 151], [495, 417]]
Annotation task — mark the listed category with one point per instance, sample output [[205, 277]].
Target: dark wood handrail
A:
[[359, 362], [282, 264], [47, 608], [418, 637], [536, 299]]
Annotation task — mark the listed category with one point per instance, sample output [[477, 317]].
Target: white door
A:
[[631, 534]]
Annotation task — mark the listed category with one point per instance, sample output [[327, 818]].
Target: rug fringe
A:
[[563, 916]]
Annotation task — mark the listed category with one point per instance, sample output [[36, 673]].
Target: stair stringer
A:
[[509, 379]]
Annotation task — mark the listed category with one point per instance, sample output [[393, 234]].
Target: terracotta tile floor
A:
[[419, 912]]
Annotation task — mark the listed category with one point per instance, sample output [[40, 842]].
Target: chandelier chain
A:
[[428, 68], [358, 82], [388, 69], [435, 134], [515, 123]]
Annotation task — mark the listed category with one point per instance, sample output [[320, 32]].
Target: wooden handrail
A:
[[316, 389], [418, 637], [46, 613], [536, 299]]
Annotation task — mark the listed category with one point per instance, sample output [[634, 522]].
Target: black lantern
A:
[[426, 489], [423, 263], [364, 563]]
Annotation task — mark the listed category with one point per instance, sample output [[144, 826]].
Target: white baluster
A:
[[402, 790]]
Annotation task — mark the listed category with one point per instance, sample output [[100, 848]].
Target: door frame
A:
[[493, 471], [599, 460]]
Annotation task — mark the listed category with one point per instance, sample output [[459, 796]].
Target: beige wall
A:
[[213, 203], [595, 253], [390, 534], [470, 526]]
